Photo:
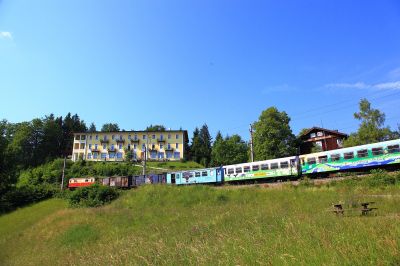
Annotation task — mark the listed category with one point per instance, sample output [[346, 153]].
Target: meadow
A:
[[204, 225]]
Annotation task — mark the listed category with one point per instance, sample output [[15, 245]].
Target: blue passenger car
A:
[[198, 176]]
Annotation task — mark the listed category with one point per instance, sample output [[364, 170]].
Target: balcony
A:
[[112, 149], [169, 149], [153, 149], [161, 140], [120, 140], [95, 150], [135, 140], [104, 141]]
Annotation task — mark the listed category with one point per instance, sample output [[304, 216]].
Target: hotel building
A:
[[113, 146]]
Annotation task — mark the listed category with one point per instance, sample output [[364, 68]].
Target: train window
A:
[[230, 171], [197, 174], [255, 167], [274, 166], [377, 151], [302, 161], [323, 159], [238, 170], [204, 173], [246, 169], [86, 180], [335, 157], [292, 162], [393, 149], [348, 155], [284, 165], [311, 160], [264, 167], [362, 153]]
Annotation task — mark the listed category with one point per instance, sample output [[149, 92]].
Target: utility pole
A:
[[145, 153], [63, 172], [251, 143]]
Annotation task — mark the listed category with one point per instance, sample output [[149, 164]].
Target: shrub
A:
[[92, 196], [380, 178]]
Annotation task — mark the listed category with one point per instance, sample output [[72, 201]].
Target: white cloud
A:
[[361, 85], [6, 35]]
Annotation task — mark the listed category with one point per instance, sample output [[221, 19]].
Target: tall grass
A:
[[206, 225]]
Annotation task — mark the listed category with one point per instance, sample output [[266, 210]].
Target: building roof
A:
[[133, 131], [334, 132]]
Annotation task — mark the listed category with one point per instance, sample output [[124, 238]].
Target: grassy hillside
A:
[[207, 225]]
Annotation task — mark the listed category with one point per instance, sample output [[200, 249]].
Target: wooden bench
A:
[[366, 209]]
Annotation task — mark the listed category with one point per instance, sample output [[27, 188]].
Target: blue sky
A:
[[185, 63]]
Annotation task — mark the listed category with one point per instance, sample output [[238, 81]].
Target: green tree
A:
[[110, 127], [231, 150], [155, 128], [205, 150], [92, 128], [195, 147], [371, 128], [273, 137]]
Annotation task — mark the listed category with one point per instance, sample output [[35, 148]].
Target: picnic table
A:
[[339, 209]]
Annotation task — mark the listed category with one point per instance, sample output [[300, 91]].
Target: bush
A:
[[380, 178], [24, 195], [92, 196]]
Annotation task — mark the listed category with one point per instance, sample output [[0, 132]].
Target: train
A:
[[376, 155]]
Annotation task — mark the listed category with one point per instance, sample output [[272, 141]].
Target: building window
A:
[[143, 147], [97, 137], [90, 146], [120, 146], [113, 137], [90, 137], [95, 146], [339, 143], [169, 136], [161, 146], [134, 146], [82, 146], [112, 147], [153, 146], [177, 146], [120, 136], [135, 137], [105, 146], [83, 137], [320, 134], [103, 155], [161, 137], [119, 155], [168, 146], [144, 136], [129, 147], [76, 146], [177, 136], [129, 136], [112, 155], [89, 156], [177, 155], [169, 155], [312, 135], [95, 155], [153, 136], [318, 143], [153, 155], [160, 155], [78, 137]]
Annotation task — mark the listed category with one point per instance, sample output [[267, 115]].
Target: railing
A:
[[120, 140], [134, 140], [160, 140], [104, 140]]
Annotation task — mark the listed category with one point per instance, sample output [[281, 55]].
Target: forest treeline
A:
[[35, 144]]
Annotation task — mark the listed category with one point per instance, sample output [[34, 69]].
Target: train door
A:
[[173, 181]]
